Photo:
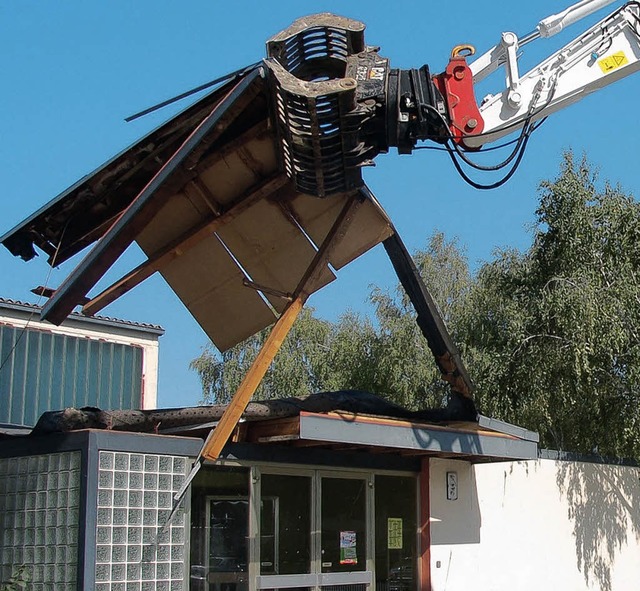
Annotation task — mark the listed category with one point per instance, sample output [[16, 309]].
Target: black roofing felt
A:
[[352, 401]]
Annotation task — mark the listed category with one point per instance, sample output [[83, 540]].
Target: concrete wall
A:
[[535, 525]]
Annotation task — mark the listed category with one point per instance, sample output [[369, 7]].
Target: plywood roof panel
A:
[[238, 170], [369, 227], [173, 220], [272, 249], [204, 199], [210, 284]]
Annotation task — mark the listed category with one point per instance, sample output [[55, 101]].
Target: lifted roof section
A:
[[205, 199], [338, 430]]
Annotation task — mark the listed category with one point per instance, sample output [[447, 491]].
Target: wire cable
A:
[[37, 304], [498, 183], [188, 93], [456, 153]]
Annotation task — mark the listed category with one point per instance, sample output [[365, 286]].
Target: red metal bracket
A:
[[456, 85]]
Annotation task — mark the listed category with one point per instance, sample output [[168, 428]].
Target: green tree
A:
[[299, 368], [405, 368], [552, 334]]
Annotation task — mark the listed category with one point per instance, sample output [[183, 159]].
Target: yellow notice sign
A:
[[613, 62], [394, 533]]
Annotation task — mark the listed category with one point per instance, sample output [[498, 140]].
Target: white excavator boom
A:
[[607, 52]]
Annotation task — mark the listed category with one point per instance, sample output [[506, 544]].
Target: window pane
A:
[[344, 544], [220, 530], [396, 529], [285, 525]]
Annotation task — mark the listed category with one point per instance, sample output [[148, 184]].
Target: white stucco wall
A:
[[535, 525]]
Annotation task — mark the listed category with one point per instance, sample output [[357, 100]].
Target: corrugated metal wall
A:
[[43, 371]]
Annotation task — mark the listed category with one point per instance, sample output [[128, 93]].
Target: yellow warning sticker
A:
[[613, 62]]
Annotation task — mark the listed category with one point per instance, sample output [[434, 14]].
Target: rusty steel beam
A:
[[428, 318]]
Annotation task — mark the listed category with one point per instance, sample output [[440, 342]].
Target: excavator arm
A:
[[606, 53], [338, 103]]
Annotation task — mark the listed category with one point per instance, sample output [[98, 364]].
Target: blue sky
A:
[[73, 70]]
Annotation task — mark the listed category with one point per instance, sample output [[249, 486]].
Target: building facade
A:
[[317, 502], [87, 361]]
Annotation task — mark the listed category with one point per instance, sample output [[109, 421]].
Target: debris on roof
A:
[[334, 420], [352, 401]]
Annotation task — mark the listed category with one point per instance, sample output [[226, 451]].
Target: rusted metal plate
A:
[[369, 227]]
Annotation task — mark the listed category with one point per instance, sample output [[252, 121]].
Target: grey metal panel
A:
[[89, 497], [568, 456], [507, 428], [54, 443], [414, 437], [348, 578], [314, 580], [147, 443], [43, 371], [102, 440]]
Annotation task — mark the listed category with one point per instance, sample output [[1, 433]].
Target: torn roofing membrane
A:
[[206, 200], [344, 420]]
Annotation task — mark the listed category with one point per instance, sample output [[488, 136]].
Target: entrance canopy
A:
[[330, 421]]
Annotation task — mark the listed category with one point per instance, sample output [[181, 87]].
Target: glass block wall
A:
[[135, 497], [39, 519]]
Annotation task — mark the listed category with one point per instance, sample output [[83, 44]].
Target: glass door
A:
[[285, 525], [227, 548], [343, 524]]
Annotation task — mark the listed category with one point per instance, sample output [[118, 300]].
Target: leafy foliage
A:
[[550, 336], [553, 332], [387, 355], [299, 367], [19, 579]]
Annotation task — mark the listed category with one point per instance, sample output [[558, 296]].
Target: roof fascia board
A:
[[414, 437], [507, 428]]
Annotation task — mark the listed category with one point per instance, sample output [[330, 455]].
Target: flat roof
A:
[[342, 421], [345, 430], [103, 321]]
